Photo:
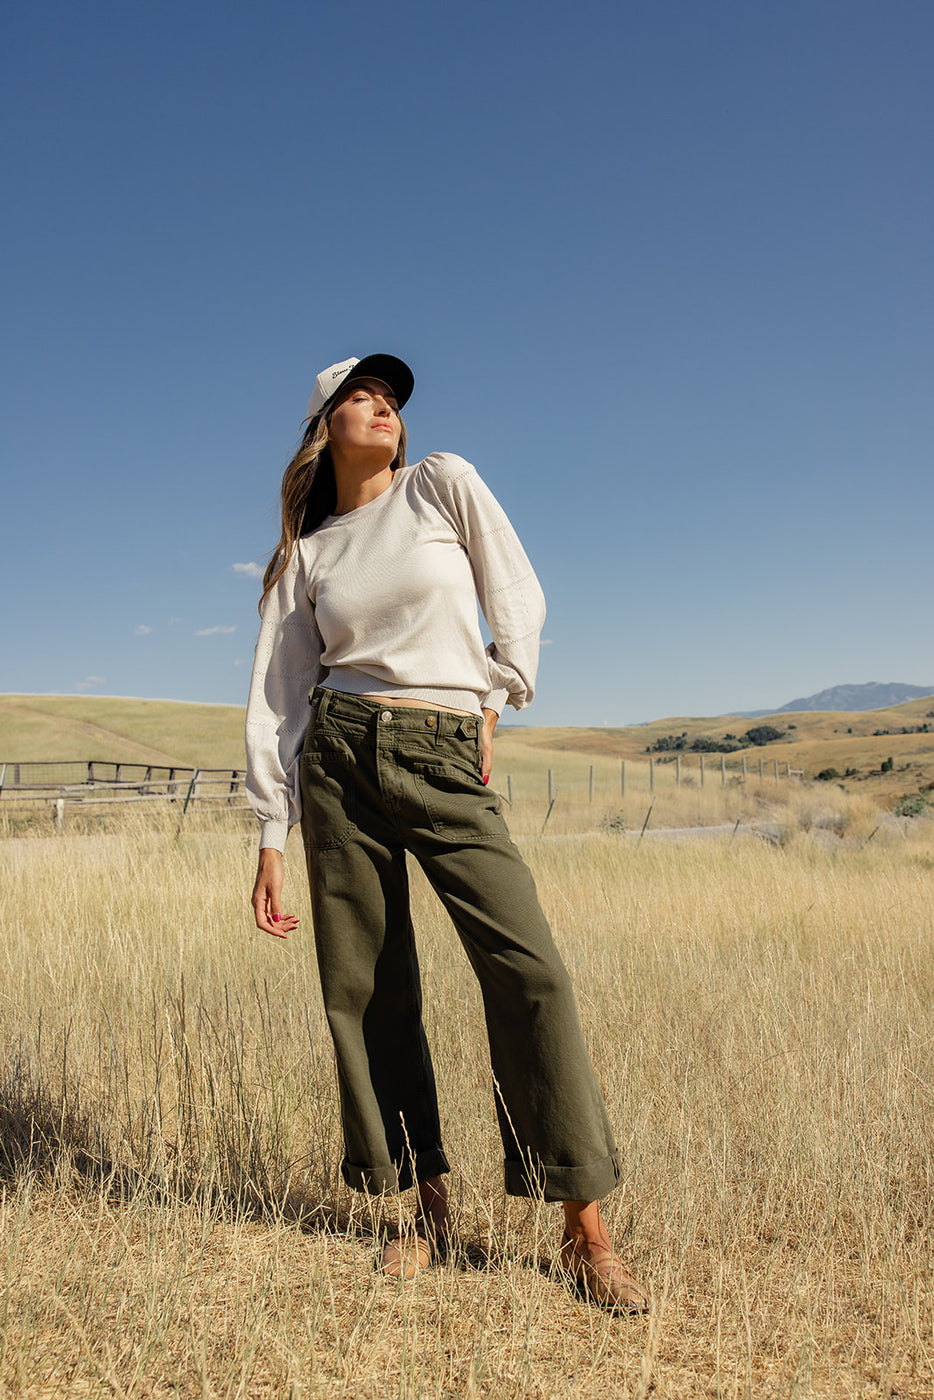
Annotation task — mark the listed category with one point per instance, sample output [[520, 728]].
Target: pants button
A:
[[386, 716], [431, 721]]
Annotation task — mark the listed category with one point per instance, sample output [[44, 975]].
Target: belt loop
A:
[[324, 697]]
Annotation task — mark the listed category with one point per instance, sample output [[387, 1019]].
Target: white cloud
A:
[[90, 683], [173, 620], [214, 631], [252, 570], [547, 642], [142, 630]]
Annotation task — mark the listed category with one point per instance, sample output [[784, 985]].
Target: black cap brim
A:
[[390, 370]]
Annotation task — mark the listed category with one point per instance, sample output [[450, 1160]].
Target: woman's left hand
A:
[[486, 743]]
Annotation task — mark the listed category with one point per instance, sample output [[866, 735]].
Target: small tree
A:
[[763, 734]]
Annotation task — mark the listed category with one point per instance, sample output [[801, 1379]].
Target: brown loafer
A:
[[404, 1256], [605, 1280]]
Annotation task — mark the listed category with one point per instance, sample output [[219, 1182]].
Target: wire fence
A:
[[701, 769]]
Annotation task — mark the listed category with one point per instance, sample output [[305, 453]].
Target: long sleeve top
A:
[[383, 601]]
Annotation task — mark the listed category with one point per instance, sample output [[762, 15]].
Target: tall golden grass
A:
[[760, 1014]]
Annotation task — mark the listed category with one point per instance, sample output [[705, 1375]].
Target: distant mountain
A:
[[872, 696]]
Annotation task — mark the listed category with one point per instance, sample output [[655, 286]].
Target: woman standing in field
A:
[[369, 613]]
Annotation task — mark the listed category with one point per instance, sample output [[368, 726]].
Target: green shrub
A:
[[763, 734], [703, 744], [913, 804], [828, 775], [669, 743]]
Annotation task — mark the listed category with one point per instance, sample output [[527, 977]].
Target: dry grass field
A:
[[760, 1014]]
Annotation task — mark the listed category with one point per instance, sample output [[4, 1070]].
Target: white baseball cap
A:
[[392, 372]]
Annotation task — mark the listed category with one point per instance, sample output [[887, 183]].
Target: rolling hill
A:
[[56, 728]]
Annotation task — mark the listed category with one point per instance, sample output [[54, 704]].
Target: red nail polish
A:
[[486, 779], [275, 918]]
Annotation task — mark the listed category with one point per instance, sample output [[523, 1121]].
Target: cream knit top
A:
[[383, 601]]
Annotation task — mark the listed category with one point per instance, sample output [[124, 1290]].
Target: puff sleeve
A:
[[510, 595]]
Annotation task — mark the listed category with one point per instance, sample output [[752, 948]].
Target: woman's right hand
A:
[[267, 894]]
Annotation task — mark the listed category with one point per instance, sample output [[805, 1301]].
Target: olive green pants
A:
[[376, 782]]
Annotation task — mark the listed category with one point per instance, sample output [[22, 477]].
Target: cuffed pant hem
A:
[[559, 1183], [395, 1176]]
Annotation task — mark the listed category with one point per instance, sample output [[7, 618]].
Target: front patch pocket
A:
[[329, 810], [458, 804]]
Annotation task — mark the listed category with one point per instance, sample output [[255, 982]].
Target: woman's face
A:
[[365, 418]]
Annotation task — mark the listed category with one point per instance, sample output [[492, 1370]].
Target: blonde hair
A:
[[309, 493]]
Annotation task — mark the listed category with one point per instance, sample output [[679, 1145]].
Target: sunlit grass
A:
[[760, 1015]]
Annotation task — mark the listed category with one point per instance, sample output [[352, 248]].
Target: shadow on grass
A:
[[47, 1134]]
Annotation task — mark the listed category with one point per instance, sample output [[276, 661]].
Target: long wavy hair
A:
[[309, 493]]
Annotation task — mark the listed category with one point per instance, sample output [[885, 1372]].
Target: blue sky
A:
[[663, 272]]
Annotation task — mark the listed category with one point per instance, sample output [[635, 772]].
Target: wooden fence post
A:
[[646, 822], [651, 775], [723, 770], [191, 789], [622, 778], [509, 788], [60, 815], [775, 761], [678, 769], [591, 782], [702, 770], [744, 767]]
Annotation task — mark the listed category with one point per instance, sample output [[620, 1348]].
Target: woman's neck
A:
[[358, 483]]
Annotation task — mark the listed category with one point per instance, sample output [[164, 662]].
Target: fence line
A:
[[93, 783], [38, 775], [656, 767]]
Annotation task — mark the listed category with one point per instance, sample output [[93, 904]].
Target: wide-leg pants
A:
[[376, 782]]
